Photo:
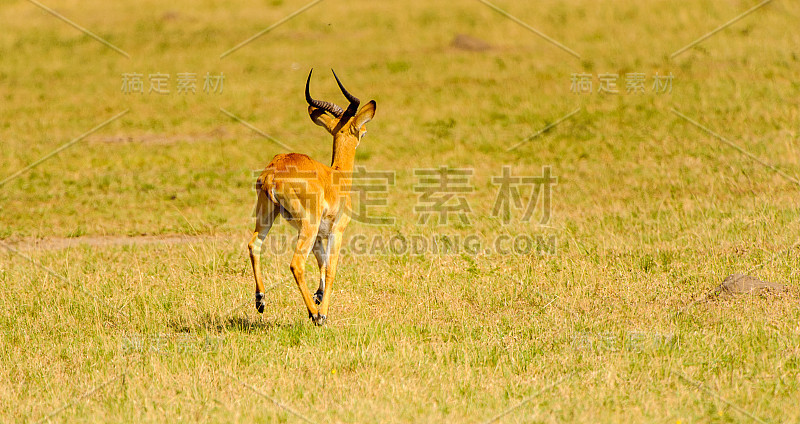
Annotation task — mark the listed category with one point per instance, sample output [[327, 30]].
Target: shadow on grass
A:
[[237, 324]]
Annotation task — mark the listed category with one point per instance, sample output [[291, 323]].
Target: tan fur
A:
[[314, 198]]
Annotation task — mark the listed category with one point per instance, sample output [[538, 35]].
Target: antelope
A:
[[313, 198]]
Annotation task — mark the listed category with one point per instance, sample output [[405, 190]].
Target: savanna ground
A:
[[127, 295]]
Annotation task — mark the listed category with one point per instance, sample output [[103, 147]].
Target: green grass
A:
[[650, 212]]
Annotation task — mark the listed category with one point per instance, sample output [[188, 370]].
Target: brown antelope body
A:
[[313, 198]]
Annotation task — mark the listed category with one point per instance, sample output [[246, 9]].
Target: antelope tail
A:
[[266, 183]]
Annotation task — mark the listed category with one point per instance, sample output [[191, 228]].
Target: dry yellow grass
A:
[[650, 211]]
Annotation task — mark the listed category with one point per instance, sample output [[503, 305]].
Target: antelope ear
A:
[[365, 114], [321, 118]]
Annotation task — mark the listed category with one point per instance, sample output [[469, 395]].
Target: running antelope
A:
[[314, 198]]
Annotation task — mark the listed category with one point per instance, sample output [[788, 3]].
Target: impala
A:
[[313, 198]]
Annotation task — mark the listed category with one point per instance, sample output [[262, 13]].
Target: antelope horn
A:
[[326, 106], [354, 102]]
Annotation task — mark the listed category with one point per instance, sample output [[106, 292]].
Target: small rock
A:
[[218, 132], [170, 15], [745, 284], [469, 43]]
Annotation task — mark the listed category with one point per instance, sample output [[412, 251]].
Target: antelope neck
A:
[[344, 156]]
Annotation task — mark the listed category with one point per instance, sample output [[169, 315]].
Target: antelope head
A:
[[347, 126]]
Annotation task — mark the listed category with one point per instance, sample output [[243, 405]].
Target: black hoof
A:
[[318, 297], [319, 320], [260, 303]]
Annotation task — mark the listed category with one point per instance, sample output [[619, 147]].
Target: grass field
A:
[[127, 291]]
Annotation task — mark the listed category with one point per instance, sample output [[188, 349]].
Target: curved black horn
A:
[[354, 102], [327, 106]]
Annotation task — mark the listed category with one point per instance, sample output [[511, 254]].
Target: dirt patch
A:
[[469, 43], [215, 134], [745, 284], [60, 243], [170, 15]]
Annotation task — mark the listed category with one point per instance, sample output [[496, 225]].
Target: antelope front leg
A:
[[305, 241], [334, 242]]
